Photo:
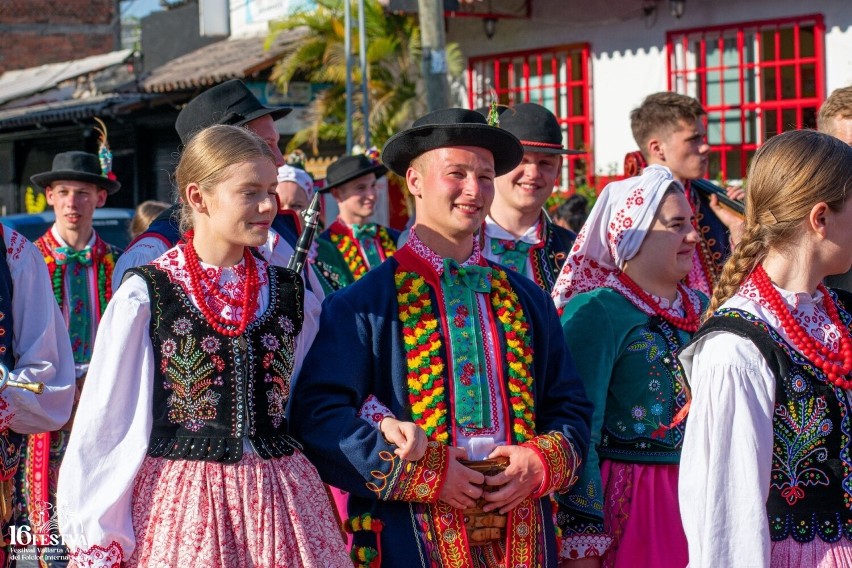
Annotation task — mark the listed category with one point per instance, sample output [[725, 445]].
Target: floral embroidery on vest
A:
[[190, 373]]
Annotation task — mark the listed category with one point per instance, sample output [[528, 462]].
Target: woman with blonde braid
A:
[[766, 467]]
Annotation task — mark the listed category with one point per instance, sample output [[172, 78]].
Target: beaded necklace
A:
[[202, 286], [836, 365], [689, 322]]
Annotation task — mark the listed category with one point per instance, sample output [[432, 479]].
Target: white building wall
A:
[[628, 50]]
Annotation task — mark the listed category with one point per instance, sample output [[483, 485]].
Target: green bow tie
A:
[[367, 230], [67, 255], [474, 277], [502, 246]]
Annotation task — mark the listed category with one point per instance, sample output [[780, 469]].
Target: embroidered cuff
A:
[[98, 557], [584, 546], [418, 481], [373, 411], [560, 461]]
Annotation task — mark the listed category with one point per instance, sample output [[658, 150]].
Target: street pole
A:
[[347, 47], [434, 63], [362, 45]]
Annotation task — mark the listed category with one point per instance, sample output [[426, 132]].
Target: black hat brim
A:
[[274, 112], [541, 150], [47, 178], [403, 147], [378, 169]]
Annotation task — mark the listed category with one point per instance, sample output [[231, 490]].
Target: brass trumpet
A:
[[5, 381]]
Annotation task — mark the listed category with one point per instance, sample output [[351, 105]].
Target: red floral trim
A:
[[418, 481], [585, 546], [98, 557], [560, 460]]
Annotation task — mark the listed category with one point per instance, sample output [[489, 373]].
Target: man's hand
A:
[[733, 221], [461, 488], [523, 476], [409, 438]]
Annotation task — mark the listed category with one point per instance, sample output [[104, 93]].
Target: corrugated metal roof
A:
[[233, 58], [23, 82], [100, 105]]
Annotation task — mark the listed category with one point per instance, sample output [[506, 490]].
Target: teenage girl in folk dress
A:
[[766, 472], [181, 455], [626, 314]]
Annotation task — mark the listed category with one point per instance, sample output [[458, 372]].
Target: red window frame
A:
[[557, 77], [780, 87]]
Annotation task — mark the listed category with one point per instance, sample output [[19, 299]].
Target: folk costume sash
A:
[[470, 382], [430, 362], [362, 251], [82, 305]]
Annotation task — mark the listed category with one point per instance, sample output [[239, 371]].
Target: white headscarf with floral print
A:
[[298, 176], [613, 233]]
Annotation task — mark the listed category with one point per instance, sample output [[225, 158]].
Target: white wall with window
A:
[[750, 92]]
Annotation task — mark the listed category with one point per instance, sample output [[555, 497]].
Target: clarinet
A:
[[5, 381], [297, 261], [709, 188]]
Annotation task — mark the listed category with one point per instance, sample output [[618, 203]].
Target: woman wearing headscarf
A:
[[625, 313]]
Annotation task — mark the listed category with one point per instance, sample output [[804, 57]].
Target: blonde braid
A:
[[748, 252]]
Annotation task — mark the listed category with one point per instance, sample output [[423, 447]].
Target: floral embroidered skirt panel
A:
[[271, 513]]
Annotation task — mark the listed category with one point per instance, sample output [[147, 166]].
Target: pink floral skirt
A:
[[270, 513], [815, 554]]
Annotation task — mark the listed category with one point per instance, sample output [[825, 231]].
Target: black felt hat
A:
[[452, 127], [76, 166], [535, 126], [229, 103], [348, 168]]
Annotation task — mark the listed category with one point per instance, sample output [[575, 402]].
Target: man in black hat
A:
[[439, 336], [229, 103], [80, 264], [364, 245], [518, 233]]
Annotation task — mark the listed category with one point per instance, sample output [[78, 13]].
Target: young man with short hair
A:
[[440, 336], [669, 130], [363, 244], [518, 233]]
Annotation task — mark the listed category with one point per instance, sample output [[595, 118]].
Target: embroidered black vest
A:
[[548, 260], [210, 390], [10, 442], [810, 490]]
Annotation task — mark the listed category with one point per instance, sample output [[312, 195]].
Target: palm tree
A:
[[393, 71]]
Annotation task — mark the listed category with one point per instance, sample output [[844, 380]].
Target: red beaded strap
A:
[[202, 285], [835, 364], [689, 322]]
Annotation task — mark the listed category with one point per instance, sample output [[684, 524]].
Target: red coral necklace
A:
[[689, 322], [835, 364], [203, 286]]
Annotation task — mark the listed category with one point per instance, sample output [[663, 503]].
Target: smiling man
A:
[[364, 245], [80, 264], [518, 233], [440, 336]]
